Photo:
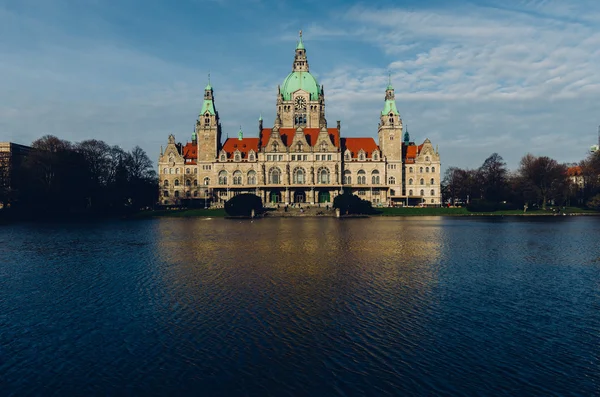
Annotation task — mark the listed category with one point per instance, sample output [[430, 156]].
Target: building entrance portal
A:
[[324, 197], [299, 197], [275, 197]]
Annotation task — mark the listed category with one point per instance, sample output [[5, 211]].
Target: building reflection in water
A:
[[303, 280]]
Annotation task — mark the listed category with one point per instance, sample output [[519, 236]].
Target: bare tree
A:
[[545, 175]]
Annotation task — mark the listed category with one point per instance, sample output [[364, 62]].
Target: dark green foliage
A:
[[350, 204], [59, 178], [243, 204], [594, 203], [479, 205]]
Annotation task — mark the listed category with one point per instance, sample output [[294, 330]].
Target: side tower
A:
[[390, 141], [208, 129]]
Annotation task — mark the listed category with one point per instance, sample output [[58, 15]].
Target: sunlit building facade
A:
[[300, 159]]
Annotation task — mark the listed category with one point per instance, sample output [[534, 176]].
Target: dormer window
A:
[[223, 157], [237, 157], [348, 156], [361, 156], [251, 157]]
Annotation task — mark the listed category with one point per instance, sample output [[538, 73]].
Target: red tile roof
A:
[[244, 146], [355, 144], [190, 153], [412, 151], [311, 134], [574, 171]]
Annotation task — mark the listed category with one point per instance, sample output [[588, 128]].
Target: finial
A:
[[300, 34], [260, 117], [209, 77]]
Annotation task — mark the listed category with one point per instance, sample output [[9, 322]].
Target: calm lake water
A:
[[302, 307]]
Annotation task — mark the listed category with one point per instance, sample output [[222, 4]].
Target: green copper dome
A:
[[300, 81]]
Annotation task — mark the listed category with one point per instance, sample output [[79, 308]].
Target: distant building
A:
[[12, 156], [575, 174], [300, 159]]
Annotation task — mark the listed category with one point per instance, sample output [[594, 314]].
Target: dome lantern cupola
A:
[[300, 77]]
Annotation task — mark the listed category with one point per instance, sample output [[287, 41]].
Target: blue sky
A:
[[475, 77]]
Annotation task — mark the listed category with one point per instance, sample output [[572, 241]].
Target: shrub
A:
[[594, 203], [243, 204], [351, 204]]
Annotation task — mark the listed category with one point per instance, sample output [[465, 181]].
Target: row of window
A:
[[422, 181], [422, 193], [361, 156], [361, 178], [274, 176], [177, 195], [410, 169]]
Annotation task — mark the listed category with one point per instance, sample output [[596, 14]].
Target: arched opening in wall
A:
[[375, 177], [237, 177], [251, 177], [222, 177], [323, 175], [298, 176], [361, 178], [347, 177], [275, 176]]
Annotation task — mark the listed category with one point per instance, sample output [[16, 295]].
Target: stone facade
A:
[[300, 159]]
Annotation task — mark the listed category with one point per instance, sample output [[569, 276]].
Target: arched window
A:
[[195, 170], [432, 192], [176, 182], [410, 192], [361, 156], [223, 157], [177, 170], [347, 177], [422, 192], [170, 170], [432, 181], [348, 156], [188, 194], [274, 175], [391, 180], [375, 177], [410, 169], [188, 182], [237, 157], [165, 170], [195, 193], [432, 169], [251, 157], [195, 182], [426, 169], [206, 181], [222, 177], [166, 183], [176, 193], [187, 170], [251, 177], [298, 176], [422, 181], [323, 175], [375, 156], [237, 177], [421, 169], [410, 181], [362, 177]]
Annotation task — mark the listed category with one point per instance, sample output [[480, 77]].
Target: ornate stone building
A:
[[300, 159]]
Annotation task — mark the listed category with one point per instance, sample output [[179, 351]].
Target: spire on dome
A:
[[389, 86], [300, 45], [208, 86]]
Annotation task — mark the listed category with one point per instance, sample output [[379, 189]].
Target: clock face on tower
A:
[[300, 103]]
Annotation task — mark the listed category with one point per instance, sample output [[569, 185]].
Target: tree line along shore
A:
[[62, 179]]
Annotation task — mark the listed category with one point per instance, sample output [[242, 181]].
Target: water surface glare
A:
[[302, 307]]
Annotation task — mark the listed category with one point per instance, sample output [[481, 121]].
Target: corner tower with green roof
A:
[[300, 101], [208, 128], [390, 136]]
